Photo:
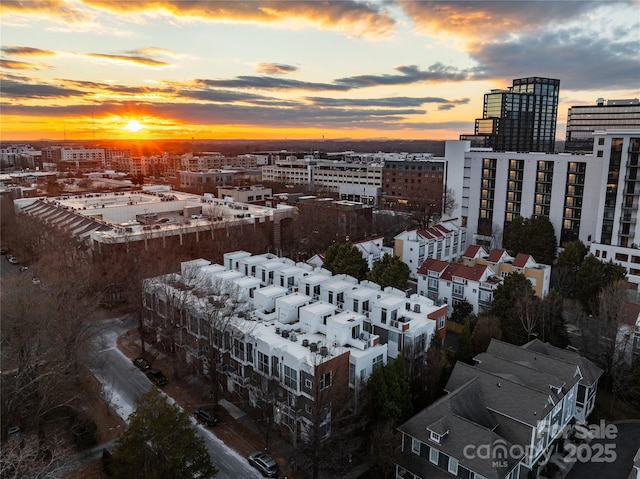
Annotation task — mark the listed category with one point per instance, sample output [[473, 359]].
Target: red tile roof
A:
[[431, 264], [495, 255], [471, 251], [521, 260]]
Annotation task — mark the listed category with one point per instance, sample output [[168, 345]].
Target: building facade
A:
[[476, 277], [444, 241], [584, 120], [416, 182], [282, 334], [500, 416], [521, 118]]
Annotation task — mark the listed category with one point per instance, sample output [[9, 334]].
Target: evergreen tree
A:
[[592, 277], [390, 271], [345, 258], [160, 443], [534, 236], [461, 311], [464, 352], [388, 394], [563, 275], [515, 304]]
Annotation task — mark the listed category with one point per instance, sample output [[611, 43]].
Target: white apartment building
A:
[[293, 328], [444, 241], [591, 197]]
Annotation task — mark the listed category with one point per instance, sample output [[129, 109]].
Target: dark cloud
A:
[[14, 65], [140, 60], [392, 102], [579, 60], [408, 74], [270, 83], [20, 90], [25, 51], [205, 114], [275, 68], [491, 19]]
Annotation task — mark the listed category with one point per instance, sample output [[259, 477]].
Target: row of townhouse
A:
[[501, 416], [477, 275], [285, 336], [444, 241]]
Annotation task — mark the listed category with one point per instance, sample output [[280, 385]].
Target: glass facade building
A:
[[582, 121], [521, 118]]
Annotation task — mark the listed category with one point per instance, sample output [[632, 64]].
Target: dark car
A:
[[264, 463], [141, 363], [156, 377], [207, 416]]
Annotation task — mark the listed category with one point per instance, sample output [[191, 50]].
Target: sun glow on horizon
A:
[[133, 126]]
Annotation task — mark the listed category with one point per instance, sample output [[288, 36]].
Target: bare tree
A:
[[527, 309], [24, 457]]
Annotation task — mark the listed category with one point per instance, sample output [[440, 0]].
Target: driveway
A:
[[624, 445]]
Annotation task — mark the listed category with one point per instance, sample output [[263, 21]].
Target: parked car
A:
[[156, 377], [207, 416], [264, 463], [36, 281], [24, 268], [14, 260], [141, 363]]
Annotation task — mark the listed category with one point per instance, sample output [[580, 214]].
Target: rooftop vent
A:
[[313, 347], [305, 343], [324, 351]]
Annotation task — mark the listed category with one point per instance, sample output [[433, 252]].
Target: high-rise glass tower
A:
[[521, 118]]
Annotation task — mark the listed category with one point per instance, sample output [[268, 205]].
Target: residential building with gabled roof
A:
[[499, 417], [477, 275], [444, 241]]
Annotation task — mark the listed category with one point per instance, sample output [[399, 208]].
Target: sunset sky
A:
[[114, 69]]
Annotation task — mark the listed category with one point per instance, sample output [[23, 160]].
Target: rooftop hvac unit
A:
[[293, 337], [313, 347]]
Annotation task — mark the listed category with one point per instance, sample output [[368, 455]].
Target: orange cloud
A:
[[354, 17], [26, 51], [15, 65], [139, 60]]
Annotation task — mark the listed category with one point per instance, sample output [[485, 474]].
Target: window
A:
[[415, 446], [377, 362], [599, 153], [290, 377], [308, 383], [263, 362], [433, 456], [434, 437], [453, 465], [325, 380], [383, 316], [441, 322], [355, 305]]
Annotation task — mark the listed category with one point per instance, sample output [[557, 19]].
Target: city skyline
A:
[[97, 69]]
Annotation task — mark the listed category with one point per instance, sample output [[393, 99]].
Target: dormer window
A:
[[435, 437]]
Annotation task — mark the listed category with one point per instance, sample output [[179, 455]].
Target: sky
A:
[[183, 69]]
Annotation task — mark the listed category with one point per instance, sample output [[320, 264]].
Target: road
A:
[[123, 383], [592, 460]]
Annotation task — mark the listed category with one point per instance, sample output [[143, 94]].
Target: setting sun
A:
[[133, 126]]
